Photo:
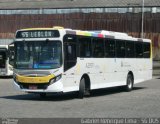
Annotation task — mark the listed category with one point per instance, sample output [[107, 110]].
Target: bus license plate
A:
[[32, 87]]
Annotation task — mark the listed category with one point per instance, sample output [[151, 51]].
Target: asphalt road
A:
[[143, 101]]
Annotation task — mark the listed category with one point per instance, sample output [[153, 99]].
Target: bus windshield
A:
[[38, 54], [3, 57]]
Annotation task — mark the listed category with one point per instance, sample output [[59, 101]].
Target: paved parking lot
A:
[[143, 101]]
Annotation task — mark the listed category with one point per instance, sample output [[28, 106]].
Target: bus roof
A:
[[106, 34], [31, 29], [93, 33]]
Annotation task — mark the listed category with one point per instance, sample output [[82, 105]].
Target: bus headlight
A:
[[55, 79]]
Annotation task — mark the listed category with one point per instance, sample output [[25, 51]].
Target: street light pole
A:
[[142, 18]]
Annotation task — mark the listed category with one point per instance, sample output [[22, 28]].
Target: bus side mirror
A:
[[11, 58], [11, 54]]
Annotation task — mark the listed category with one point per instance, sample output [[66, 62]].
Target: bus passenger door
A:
[[70, 59]]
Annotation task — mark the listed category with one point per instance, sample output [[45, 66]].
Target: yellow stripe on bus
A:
[[24, 79]]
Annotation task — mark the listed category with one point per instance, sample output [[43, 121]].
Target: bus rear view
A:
[[3, 57], [5, 68]]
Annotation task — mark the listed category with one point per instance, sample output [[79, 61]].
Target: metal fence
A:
[[121, 22]]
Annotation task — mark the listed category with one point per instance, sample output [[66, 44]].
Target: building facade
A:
[[113, 15]]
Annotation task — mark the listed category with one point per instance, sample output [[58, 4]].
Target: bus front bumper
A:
[[55, 87]]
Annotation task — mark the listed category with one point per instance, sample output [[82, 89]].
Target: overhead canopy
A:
[[38, 4]]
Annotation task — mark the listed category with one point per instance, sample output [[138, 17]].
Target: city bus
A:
[[51, 60], [6, 68]]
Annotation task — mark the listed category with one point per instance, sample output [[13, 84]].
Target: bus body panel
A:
[[102, 72]]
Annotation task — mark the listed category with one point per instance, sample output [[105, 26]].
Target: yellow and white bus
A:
[[49, 60], [6, 68]]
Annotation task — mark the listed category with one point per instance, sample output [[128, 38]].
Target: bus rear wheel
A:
[[129, 85]]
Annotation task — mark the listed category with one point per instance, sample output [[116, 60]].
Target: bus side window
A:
[[130, 50], [109, 48], [120, 49], [146, 50], [98, 48], [85, 49], [139, 49], [70, 54]]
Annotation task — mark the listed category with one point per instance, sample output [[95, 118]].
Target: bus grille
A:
[[37, 86]]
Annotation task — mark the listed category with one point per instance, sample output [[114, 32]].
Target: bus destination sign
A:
[[38, 34]]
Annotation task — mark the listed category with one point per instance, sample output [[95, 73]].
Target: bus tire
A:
[[81, 89], [129, 85]]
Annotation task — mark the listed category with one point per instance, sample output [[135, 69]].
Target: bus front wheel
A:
[[129, 85], [81, 88]]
